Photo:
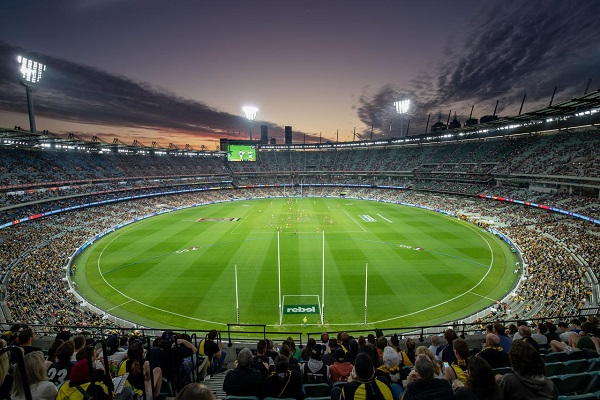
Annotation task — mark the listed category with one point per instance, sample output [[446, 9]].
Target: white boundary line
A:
[[131, 299], [355, 221]]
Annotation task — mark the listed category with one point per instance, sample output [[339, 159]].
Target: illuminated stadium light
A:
[[250, 112], [31, 74], [402, 107], [31, 71]]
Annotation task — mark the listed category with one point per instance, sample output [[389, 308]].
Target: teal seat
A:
[[502, 370], [317, 389], [555, 357], [554, 368], [575, 366], [573, 383]]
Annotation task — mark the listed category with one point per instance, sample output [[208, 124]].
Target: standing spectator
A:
[[243, 380], [528, 380], [446, 353]]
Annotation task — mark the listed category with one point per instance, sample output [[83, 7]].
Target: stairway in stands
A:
[[215, 383]]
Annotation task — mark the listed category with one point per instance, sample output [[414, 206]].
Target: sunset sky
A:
[[180, 71]]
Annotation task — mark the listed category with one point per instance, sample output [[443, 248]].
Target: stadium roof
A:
[[558, 116]]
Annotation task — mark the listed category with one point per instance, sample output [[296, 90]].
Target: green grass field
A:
[[178, 269]]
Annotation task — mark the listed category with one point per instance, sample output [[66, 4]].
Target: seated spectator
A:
[[215, 353], [505, 341], [493, 353], [283, 383], [325, 341], [381, 343], [58, 372], [195, 391], [456, 370], [528, 380], [446, 353], [314, 371], [422, 384], [363, 381], [329, 357], [262, 362], [435, 343], [26, 339], [51, 357], [285, 351], [35, 371], [411, 347], [551, 334], [305, 354], [540, 335], [6, 379], [341, 369], [389, 371], [437, 368], [577, 341], [138, 369], [525, 335], [243, 380], [171, 358], [481, 383]]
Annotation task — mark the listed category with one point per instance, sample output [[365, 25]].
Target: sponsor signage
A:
[[301, 309]]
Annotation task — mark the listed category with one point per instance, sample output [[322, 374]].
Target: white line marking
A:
[[137, 301], [355, 221], [385, 218]]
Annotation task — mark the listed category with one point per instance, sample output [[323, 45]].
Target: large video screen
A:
[[241, 152]]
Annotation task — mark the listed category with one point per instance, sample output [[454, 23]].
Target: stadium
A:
[[531, 182]]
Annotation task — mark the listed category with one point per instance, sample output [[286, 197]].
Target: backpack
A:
[[85, 391]]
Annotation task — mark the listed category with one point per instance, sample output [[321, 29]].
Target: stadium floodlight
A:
[[31, 74], [402, 107], [250, 112]]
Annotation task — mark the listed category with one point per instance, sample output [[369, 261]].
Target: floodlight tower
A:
[[250, 112], [402, 109], [31, 73]]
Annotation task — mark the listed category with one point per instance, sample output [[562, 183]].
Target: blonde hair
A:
[[35, 371], [437, 370]]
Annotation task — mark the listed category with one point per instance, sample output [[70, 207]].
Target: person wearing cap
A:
[[243, 380], [423, 385], [362, 383], [314, 371], [341, 369]]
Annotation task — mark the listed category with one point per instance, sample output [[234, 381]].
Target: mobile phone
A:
[[446, 365]]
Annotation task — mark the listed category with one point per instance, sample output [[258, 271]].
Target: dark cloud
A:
[[512, 48], [79, 93]]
